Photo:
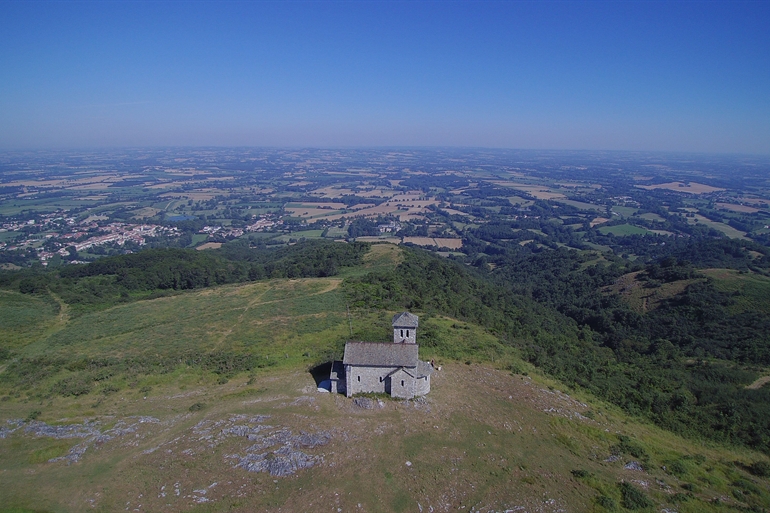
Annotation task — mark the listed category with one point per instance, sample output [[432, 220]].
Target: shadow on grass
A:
[[321, 372]]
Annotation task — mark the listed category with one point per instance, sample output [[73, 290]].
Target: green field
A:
[[304, 234], [625, 211], [335, 232], [8, 236], [722, 227], [13, 207], [650, 216], [198, 238], [582, 205], [623, 229]]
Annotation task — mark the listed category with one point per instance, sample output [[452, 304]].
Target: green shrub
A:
[[607, 503], [74, 385], [681, 497], [628, 446], [747, 487], [633, 498], [110, 389], [677, 468], [760, 468]]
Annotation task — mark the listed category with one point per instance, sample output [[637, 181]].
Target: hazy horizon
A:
[[551, 76]]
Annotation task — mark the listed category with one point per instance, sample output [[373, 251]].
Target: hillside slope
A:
[[203, 400], [483, 440]]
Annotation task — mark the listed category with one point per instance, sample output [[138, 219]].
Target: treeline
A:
[[138, 275], [551, 307]]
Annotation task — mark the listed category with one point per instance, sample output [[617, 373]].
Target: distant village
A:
[[59, 234]]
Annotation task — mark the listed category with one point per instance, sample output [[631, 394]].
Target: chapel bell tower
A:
[[405, 328]]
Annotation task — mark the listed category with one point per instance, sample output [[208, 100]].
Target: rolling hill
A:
[[205, 400]]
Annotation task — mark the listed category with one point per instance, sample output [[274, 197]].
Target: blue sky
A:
[[673, 76]]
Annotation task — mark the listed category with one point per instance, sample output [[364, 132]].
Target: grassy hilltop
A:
[[151, 404]]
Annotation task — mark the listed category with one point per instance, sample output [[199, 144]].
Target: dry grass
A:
[[449, 243], [598, 220], [482, 440], [209, 245], [687, 187], [737, 208], [420, 241], [538, 191], [644, 299]]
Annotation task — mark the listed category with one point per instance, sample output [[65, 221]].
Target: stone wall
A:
[[366, 379], [360, 379], [401, 385], [408, 335], [422, 386]]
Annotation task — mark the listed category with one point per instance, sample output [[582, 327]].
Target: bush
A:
[[109, 389], [628, 446], [607, 503], [760, 468], [677, 468], [73, 385], [633, 498], [682, 497], [746, 487]]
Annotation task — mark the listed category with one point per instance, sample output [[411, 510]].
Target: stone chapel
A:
[[391, 368]]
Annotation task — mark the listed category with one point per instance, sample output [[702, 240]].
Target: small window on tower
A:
[[402, 382], [359, 378], [407, 333], [402, 333]]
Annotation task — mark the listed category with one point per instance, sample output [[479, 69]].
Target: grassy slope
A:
[[25, 319], [751, 291], [484, 438], [644, 299], [754, 289]]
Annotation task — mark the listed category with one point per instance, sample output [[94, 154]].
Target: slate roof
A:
[[405, 320], [376, 354], [423, 369]]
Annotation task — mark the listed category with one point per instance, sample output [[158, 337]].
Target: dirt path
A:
[[333, 284], [759, 383], [61, 320]]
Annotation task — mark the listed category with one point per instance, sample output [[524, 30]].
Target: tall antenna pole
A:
[[350, 323]]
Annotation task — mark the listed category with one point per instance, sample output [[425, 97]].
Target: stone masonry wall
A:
[[408, 335], [372, 379], [422, 386]]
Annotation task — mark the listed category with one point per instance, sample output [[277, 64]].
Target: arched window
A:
[[402, 382], [359, 379], [407, 333], [402, 333]]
